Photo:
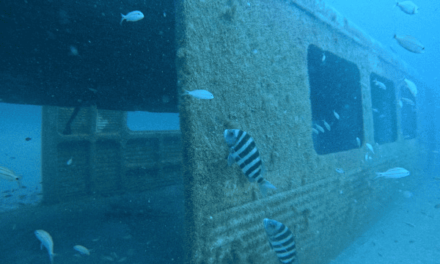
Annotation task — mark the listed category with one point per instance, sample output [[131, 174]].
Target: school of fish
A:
[[244, 152]]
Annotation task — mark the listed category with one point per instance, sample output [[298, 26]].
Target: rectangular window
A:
[[383, 101], [408, 115], [336, 99]]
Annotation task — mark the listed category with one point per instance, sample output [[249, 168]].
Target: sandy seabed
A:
[[410, 233]]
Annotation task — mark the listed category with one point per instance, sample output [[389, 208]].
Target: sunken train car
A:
[[296, 75]]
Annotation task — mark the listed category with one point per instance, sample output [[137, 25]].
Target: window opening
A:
[[383, 101], [408, 115], [20, 152], [336, 100], [147, 121]]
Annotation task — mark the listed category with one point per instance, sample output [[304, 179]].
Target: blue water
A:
[[380, 20], [117, 236]]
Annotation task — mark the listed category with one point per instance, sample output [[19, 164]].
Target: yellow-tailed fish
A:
[[132, 16], [46, 241], [370, 147], [411, 87], [200, 94], [82, 249], [394, 173], [320, 128], [410, 43], [9, 175], [408, 7], [408, 101], [327, 126], [358, 140], [381, 85]]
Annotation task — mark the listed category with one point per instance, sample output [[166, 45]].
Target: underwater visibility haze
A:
[[231, 131]]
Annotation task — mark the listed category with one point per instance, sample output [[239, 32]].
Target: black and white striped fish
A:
[[281, 240], [242, 149]]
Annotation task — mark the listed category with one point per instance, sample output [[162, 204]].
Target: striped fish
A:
[[242, 149], [394, 173], [281, 240]]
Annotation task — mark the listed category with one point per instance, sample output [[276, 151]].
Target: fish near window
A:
[[408, 114], [336, 99], [383, 102]]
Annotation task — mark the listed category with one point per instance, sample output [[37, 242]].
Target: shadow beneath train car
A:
[[133, 228]]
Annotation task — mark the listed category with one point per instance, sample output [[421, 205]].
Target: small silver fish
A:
[[339, 170], [358, 140], [327, 125], [200, 94], [394, 173], [381, 85], [336, 114], [69, 162], [108, 258], [375, 110], [411, 87], [9, 175], [82, 250], [46, 241], [132, 16], [323, 57], [410, 43], [73, 51], [400, 103], [315, 131], [281, 240], [320, 128], [408, 101], [408, 7], [370, 147]]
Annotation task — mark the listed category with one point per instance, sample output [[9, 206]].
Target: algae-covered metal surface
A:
[[253, 56]]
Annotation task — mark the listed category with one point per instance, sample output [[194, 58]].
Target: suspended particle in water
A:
[[73, 51], [165, 99]]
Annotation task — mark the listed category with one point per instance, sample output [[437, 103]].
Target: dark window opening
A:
[[336, 100], [408, 115], [383, 101]]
